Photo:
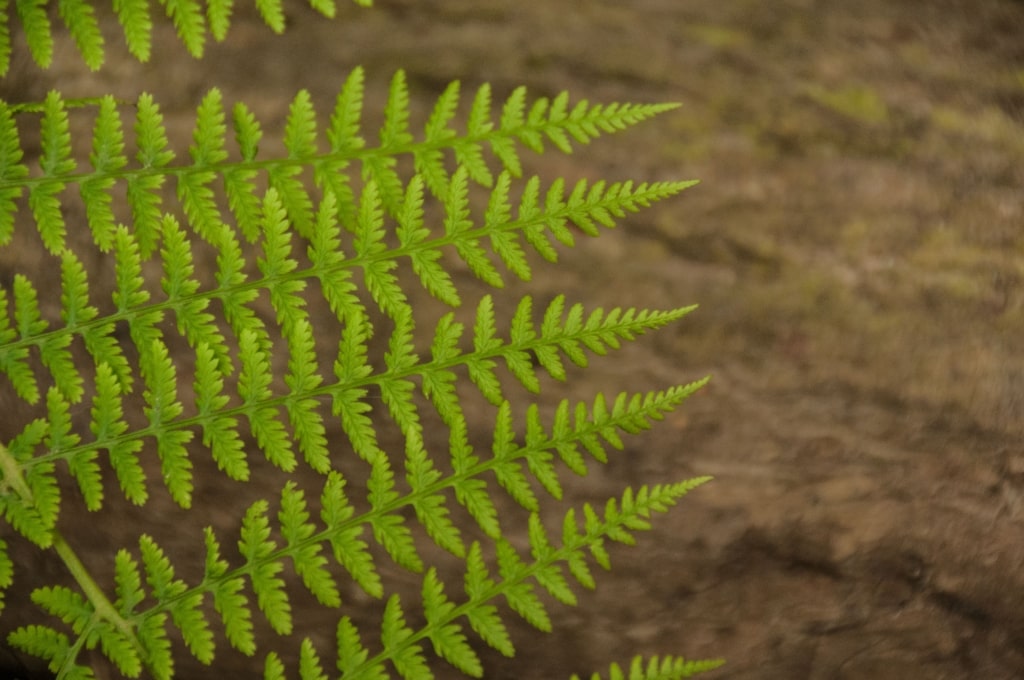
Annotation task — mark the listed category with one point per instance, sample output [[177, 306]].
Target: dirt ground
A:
[[856, 247]]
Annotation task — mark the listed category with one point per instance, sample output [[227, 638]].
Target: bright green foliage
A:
[[295, 339], [193, 21], [666, 668]]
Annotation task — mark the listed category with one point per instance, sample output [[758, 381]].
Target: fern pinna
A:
[[179, 356]]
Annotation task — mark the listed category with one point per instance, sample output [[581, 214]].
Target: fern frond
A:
[[193, 22], [659, 668], [256, 373], [402, 645]]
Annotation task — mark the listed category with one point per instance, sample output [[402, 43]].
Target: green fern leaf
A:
[[184, 605], [14, 358], [507, 469], [404, 654], [429, 160], [86, 471], [45, 643], [5, 39], [207, 150], [108, 426], [347, 544], [20, 506], [345, 141], [395, 132], [447, 638], [457, 223], [394, 139], [80, 18], [67, 605], [256, 546], [352, 655], [55, 160], [549, 576], [234, 295], [152, 637], [664, 668], [188, 617], [159, 572], [351, 367], [329, 9], [107, 158], [116, 646], [254, 388], [196, 324], [481, 368], [301, 142], [163, 407], [277, 264], [369, 245], [75, 307], [307, 558], [310, 667], [127, 583], [36, 26], [438, 382], [471, 492], [577, 562], [273, 668], [468, 151], [11, 170], [218, 17], [522, 333], [505, 242], [565, 443], [519, 593], [484, 618], [431, 509], [413, 236], [143, 188], [238, 180], [304, 377], [540, 460], [6, 572], [327, 259], [272, 13], [389, 528], [105, 348], [511, 119], [133, 15], [220, 432], [189, 22], [228, 600], [397, 393]]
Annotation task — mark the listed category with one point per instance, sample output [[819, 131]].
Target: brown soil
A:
[[856, 246]]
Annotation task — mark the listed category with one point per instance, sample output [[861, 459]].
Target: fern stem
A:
[[103, 607], [12, 476]]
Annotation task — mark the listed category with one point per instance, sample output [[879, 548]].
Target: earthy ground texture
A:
[[856, 245]]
